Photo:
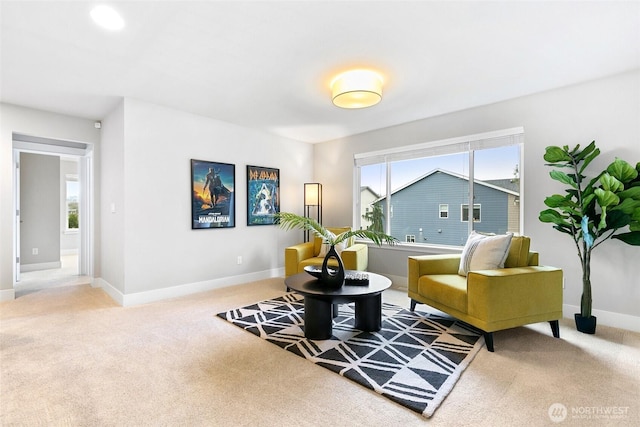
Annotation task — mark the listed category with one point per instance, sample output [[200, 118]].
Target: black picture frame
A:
[[212, 195], [263, 195]]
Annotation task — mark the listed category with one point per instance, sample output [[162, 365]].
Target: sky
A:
[[495, 163], [73, 190]]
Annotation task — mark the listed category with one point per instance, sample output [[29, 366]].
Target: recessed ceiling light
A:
[[107, 17]]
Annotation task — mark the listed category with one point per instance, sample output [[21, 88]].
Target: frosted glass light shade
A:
[[356, 89]]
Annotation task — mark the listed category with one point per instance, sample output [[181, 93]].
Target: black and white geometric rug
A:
[[414, 360]]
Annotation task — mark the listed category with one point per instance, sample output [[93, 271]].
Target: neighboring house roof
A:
[[505, 185], [367, 188], [512, 184]]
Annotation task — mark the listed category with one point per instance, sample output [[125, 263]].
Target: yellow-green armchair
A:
[[355, 256], [521, 293]]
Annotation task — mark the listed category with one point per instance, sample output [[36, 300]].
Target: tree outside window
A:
[[375, 217], [72, 199]]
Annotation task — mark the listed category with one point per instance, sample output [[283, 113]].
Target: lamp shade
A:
[[312, 194], [356, 89]]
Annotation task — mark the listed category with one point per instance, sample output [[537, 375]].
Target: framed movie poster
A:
[[263, 195], [212, 194]]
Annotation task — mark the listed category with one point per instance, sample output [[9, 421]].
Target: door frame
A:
[[84, 153]]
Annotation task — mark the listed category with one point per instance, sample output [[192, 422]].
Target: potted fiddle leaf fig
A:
[[290, 221], [593, 210]]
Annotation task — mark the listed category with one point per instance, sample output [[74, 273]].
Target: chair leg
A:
[[555, 328], [488, 340], [413, 304]]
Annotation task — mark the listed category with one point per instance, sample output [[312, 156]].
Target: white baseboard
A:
[[7, 295], [114, 293], [127, 300], [25, 268], [397, 282], [607, 318]]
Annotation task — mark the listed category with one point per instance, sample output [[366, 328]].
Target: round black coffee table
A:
[[321, 304]]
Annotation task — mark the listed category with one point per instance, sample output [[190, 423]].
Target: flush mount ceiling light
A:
[[107, 17], [356, 89]]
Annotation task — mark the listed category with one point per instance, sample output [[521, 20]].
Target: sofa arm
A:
[[356, 257], [430, 264], [508, 293], [294, 255]]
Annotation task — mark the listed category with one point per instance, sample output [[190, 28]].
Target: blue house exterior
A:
[[433, 209]]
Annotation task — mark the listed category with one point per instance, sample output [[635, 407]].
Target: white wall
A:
[[111, 205], [35, 123], [606, 110], [39, 211], [149, 250]]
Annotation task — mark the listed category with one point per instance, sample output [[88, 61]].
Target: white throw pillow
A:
[[324, 249], [325, 246], [484, 252]]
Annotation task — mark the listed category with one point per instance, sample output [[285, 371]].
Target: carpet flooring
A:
[[414, 360], [71, 356]]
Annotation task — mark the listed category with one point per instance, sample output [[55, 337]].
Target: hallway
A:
[[67, 275]]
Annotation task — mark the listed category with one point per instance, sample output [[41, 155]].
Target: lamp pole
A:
[[312, 199]]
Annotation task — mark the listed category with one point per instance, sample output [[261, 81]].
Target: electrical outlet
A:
[[239, 259], [34, 251]]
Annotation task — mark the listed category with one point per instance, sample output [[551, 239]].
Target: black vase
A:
[[586, 325], [330, 277]]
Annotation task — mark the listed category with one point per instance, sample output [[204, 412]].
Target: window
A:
[[410, 238], [72, 198], [416, 185], [444, 211], [465, 213]]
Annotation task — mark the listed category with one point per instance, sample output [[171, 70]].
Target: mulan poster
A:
[[212, 195], [263, 195]]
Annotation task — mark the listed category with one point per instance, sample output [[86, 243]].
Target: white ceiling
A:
[[267, 65]]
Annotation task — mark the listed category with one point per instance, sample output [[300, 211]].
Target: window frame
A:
[[445, 210], [70, 178], [464, 144], [462, 210]]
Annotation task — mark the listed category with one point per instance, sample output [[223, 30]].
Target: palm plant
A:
[[592, 212], [290, 221]]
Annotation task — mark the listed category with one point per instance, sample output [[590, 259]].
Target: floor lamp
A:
[[312, 203]]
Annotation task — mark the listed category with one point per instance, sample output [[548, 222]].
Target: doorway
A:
[[53, 196]]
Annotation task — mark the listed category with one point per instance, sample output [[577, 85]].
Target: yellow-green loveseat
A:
[[355, 256], [519, 294]]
